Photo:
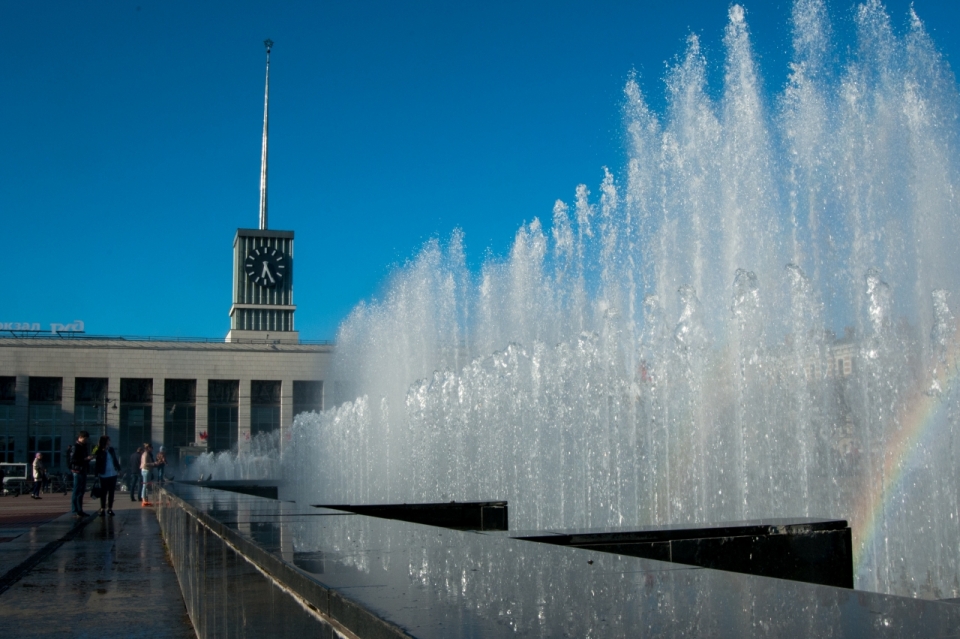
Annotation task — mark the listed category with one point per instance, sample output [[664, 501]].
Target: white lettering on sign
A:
[[19, 326], [76, 326]]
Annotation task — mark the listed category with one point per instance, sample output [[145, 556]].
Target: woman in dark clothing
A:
[[108, 468]]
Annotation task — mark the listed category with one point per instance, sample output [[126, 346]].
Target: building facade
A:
[[213, 394]]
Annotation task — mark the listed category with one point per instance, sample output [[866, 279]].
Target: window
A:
[[46, 390], [264, 407], [223, 401], [307, 397], [8, 397], [136, 423], [840, 371], [179, 415], [90, 406], [43, 420], [136, 414]]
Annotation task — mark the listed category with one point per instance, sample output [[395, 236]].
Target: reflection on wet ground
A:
[[112, 580]]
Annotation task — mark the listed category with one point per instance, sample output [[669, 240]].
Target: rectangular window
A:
[[46, 390], [90, 390], [264, 407], [7, 440], [8, 397], [136, 414], [90, 406], [343, 392], [840, 368], [307, 397], [43, 420], [223, 406], [179, 416], [136, 391], [8, 390]]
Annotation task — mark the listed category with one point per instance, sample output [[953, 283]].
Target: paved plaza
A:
[[98, 578]]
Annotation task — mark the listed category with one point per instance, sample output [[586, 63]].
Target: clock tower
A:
[[263, 306]]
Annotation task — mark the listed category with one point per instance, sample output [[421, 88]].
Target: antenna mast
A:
[[263, 157]]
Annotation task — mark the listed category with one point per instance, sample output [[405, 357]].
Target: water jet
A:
[[754, 319]]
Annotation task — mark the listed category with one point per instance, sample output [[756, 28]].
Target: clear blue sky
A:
[[132, 137]]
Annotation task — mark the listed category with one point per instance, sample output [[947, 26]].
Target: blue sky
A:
[[133, 137]]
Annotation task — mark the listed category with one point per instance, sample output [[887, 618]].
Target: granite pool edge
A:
[[344, 617]]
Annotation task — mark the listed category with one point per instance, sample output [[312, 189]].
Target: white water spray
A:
[[666, 352]]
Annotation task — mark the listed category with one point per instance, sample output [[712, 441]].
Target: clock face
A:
[[266, 266]]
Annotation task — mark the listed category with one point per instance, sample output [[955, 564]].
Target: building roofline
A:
[[55, 340]]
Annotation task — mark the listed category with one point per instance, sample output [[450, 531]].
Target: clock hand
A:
[[266, 273]]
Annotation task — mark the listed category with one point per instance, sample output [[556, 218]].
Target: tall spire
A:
[[263, 157]]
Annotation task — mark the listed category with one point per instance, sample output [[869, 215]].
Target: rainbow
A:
[[921, 420]]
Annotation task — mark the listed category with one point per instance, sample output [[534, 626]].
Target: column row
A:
[[45, 414]]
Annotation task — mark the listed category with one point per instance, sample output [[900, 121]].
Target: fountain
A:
[[756, 318]]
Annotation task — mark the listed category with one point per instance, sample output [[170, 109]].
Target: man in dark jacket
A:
[[79, 465], [133, 474]]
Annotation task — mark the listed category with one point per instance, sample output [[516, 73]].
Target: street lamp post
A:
[[103, 404]]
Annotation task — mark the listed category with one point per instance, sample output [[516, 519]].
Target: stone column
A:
[[243, 415], [20, 417], [113, 416], [156, 423], [203, 404], [286, 410], [67, 426]]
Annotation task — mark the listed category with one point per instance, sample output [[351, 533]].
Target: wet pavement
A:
[[107, 577], [19, 514]]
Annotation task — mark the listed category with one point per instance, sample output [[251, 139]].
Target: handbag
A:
[[96, 491]]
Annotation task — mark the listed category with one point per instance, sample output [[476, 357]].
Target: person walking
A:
[[146, 465], [133, 474], [108, 468], [39, 474], [160, 465], [79, 460]]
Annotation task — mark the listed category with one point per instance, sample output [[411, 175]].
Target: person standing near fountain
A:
[[160, 465], [133, 476], [79, 460], [146, 465], [108, 468]]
